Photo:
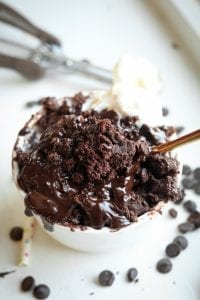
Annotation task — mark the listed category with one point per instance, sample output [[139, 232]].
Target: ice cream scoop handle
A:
[[26, 68], [90, 70]]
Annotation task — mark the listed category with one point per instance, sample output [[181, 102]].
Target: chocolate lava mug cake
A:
[[85, 167], [89, 175]]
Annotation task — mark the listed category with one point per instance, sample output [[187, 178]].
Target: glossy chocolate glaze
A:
[[92, 169]]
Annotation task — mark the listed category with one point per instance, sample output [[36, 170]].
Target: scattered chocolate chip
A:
[[188, 183], [173, 250], [164, 265], [136, 280], [194, 218], [190, 206], [186, 227], [92, 293], [3, 274], [181, 197], [41, 291], [16, 233], [181, 241], [196, 188], [186, 170], [106, 278], [165, 111], [173, 213], [179, 129], [27, 283], [31, 104], [132, 274], [175, 46], [197, 173]]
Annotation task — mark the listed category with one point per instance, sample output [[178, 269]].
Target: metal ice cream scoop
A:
[[48, 56]]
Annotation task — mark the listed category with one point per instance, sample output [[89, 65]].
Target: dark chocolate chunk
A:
[[190, 206], [188, 183], [106, 278], [186, 170], [194, 218], [197, 173], [164, 265], [181, 241], [165, 111], [173, 213], [132, 274], [41, 291], [173, 250], [186, 227], [196, 188], [27, 283], [16, 233], [3, 274]]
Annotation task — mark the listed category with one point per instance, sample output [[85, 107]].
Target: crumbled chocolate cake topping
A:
[[92, 168]]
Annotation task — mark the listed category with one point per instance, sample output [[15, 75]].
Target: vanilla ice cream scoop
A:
[[135, 92], [137, 72]]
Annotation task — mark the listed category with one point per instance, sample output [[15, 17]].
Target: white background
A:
[[101, 31]]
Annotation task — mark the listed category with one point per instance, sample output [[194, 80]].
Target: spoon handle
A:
[[192, 136]]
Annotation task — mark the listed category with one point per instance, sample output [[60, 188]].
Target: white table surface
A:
[[101, 31]]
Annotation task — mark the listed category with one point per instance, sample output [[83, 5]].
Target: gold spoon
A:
[[168, 146]]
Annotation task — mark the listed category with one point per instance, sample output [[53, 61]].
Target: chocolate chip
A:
[[197, 173], [16, 233], [173, 250], [188, 183], [190, 206], [175, 46], [186, 170], [173, 213], [179, 129], [196, 188], [41, 291], [31, 104], [132, 274], [181, 241], [164, 265], [27, 283], [106, 278], [186, 227], [194, 218], [165, 111]]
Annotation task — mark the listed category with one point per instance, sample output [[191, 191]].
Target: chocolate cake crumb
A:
[[173, 213], [16, 233]]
